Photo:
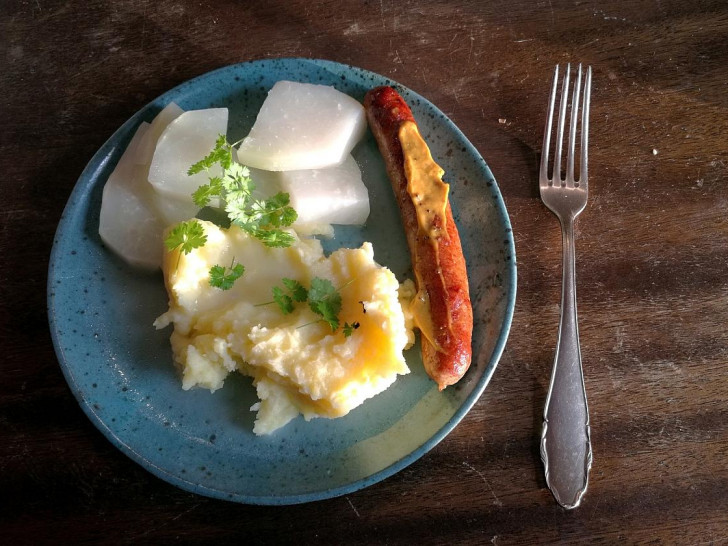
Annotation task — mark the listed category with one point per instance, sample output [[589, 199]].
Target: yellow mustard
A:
[[429, 195], [424, 181]]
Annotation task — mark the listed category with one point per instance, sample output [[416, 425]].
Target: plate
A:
[[121, 370]]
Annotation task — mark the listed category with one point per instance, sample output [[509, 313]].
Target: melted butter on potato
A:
[[298, 365]]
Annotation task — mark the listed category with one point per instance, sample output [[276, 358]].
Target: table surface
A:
[[651, 263]]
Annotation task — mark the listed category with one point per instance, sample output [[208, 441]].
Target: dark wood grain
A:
[[651, 269]]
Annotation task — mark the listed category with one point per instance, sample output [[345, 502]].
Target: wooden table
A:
[[651, 247]]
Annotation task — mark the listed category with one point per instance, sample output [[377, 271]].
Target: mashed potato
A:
[[299, 367]]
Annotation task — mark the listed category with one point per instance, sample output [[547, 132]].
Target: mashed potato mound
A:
[[298, 365]]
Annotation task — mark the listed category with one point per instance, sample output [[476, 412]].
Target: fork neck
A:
[[568, 289]]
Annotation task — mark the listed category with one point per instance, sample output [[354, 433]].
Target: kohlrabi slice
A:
[[148, 143], [129, 223], [303, 126], [335, 195], [186, 140]]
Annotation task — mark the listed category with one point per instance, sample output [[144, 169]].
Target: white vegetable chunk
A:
[[267, 183], [129, 223], [335, 195], [170, 209], [303, 126], [185, 141], [149, 142]]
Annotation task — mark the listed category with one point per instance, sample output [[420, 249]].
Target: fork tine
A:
[[547, 130], [560, 129], [572, 130], [583, 173]]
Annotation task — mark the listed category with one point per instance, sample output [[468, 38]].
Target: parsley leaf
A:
[[221, 153], [274, 237], [295, 292], [186, 236], [298, 291], [204, 194], [349, 328], [322, 297], [220, 278], [325, 301], [284, 301]]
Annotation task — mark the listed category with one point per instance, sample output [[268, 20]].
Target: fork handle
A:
[[565, 439]]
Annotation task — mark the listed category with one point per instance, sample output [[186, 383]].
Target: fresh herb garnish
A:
[[224, 277], [222, 153], [264, 219], [186, 236], [294, 292], [325, 301], [322, 297], [261, 218], [204, 194], [349, 328]]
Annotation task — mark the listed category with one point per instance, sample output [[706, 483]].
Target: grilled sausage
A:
[[437, 256]]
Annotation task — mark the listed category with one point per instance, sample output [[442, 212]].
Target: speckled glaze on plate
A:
[[121, 370]]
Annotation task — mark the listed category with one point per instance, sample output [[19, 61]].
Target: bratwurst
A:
[[442, 308]]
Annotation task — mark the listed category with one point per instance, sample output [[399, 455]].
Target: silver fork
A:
[[565, 444]]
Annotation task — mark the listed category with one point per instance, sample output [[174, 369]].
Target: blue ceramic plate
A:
[[121, 369]]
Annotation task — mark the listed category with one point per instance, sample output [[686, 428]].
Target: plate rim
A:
[[85, 184]]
